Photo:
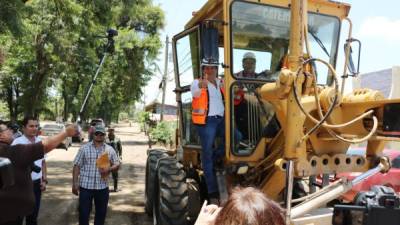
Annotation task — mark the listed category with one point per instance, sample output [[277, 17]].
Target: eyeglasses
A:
[[99, 134]]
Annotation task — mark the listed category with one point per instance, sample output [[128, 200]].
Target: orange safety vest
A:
[[200, 106]]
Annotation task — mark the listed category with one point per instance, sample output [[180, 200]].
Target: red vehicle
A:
[[390, 179]]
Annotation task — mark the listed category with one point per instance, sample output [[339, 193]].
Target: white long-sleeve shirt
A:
[[215, 102]]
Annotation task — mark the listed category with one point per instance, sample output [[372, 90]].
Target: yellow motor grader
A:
[[295, 119]]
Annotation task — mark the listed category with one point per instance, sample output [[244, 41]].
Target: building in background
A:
[[170, 111], [385, 81]]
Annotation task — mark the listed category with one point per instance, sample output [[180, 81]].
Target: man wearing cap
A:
[[240, 104], [249, 66], [213, 125], [114, 142], [89, 181]]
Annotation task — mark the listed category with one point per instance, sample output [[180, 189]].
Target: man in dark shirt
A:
[[240, 104], [18, 200], [114, 142]]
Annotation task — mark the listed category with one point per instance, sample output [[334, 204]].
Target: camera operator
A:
[[17, 200]]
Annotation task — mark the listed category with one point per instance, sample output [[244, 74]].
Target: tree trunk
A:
[[66, 103], [10, 104], [16, 103], [42, 68]]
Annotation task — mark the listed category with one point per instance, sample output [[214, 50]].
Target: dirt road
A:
[[59, 205]]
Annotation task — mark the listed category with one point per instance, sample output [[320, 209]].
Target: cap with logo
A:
[[100, 129], [209, 62]]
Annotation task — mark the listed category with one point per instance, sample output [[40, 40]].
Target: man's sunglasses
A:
[[99, 134]]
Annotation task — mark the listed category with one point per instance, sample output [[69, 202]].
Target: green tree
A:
[[60, 49], [10, 16]]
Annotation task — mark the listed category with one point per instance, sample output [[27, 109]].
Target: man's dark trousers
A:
[[32, 218], [115, 179], [214, 127], [86, 198]]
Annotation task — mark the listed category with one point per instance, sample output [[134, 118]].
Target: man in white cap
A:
[[240, 106], [249, 66]]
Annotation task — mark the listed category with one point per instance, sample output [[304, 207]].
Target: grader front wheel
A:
[[151, 169], [171, 194]]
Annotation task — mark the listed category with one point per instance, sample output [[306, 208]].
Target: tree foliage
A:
[[52, 48], [163, 132]]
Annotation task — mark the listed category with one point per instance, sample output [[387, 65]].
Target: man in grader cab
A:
[[249, 66], [311, 126], [208, 115]]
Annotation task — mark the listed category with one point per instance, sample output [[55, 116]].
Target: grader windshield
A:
[[264, 31]]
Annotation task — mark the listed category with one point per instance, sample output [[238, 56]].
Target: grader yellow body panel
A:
[[297, 120]]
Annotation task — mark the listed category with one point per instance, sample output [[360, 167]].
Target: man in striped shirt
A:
[[87, 177]]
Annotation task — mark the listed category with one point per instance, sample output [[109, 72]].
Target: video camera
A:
[[6, 173], [111, 33], [381, 205]]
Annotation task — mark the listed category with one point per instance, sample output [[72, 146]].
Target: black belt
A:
[[216, 116], [37, 181]]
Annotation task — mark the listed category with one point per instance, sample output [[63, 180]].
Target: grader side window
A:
[[187, 58], [263, 31], [187, 68]]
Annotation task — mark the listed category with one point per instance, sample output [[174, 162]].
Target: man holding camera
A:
[[39, 171], [16, 198]]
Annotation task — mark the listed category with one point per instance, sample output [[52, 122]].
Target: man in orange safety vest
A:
[[208, 116]]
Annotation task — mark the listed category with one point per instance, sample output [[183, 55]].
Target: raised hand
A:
[[71, 130], [208, 214], [203, 83]]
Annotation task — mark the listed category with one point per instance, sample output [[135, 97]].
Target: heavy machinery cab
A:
[[263, 29]]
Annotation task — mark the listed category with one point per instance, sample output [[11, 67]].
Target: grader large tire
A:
[[171, 194], [151, 169], [195, 201]]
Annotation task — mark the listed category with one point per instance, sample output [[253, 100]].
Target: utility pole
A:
[[164, 79]]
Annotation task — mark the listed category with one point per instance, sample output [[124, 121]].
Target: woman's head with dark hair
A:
[[249, 206]]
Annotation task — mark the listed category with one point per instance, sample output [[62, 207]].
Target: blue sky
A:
[[377, 25]]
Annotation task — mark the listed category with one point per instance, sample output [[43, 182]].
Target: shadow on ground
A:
[[134, 143]]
